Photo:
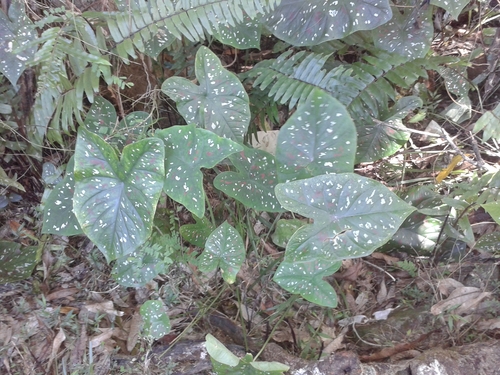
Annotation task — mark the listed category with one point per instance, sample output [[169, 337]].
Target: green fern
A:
[[366, 88], [151, 26]]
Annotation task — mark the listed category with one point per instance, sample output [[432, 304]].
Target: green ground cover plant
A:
[[343, 114]]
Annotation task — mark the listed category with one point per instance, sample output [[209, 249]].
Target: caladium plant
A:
[[115, 200], [353, 215]]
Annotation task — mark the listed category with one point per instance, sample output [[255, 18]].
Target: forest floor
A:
[[71, 317]]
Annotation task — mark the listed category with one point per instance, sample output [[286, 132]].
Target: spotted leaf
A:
[[319, 138], [242, 35], [115, 200], [220, 104], [378, 139], [17, 30], [101, 117], [225, 249], [307, 23], [187, 149], [58, 216], [17, 262], [408, 34], [254, 184], [155, 318], [352, 215], [197, 234], [453, 7]]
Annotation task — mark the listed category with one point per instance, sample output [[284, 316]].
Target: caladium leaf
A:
[[115, 200], [220, 104], [242, 35], [408, 34], [453, 7], [285, 228], [352, 215], [17, 31], [17, 262], [319, 138], [58, 217], [378, 139], [187, 150], [155, 318], [254, 184], [101, 117], [197, 234], [225, 249], [307, 23]]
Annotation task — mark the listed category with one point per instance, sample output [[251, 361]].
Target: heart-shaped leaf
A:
[[58, 217], [378, 139], [453, 7], [115, 200], [156, 320], [16, 262], [319, 138], [285, 228], [220, 104], [307, 23], [197, 234], [225, 249], [353, 216], [143, 265], [187, 150], [17, 30], [242, 35], [254, 184], [101, 117], [408, 34]]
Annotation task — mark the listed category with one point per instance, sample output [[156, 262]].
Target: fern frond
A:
[[138, 23]]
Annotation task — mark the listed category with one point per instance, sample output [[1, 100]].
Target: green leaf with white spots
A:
[[453, 7], [197, 234], [409, 34], [225, 249], [16, 261], [155, 319], [219, 104], [101, 117], [187, 150], [143, 265], [353, 215], [115, 200], [242, 35], [285, 228], [17, 31], [378, 139], [254, 184], [58, 216], [307, 23], [319, 138]]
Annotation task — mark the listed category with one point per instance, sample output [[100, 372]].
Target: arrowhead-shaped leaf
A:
[[378, 139], [225, 249], [16, 30], [242, 36], [254, 184], [187, 150], [197, 234], [453, 7], [353, 216], [307, 23], [58, 215], [220, 104], [17, 262], [319, 138], [156, 320], [115, 200], [101, 117], [409, 34]]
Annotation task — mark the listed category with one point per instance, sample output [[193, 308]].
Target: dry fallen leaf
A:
[[134, 330], [56, 344], [463, 298], [448, 285], [386, 258]]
